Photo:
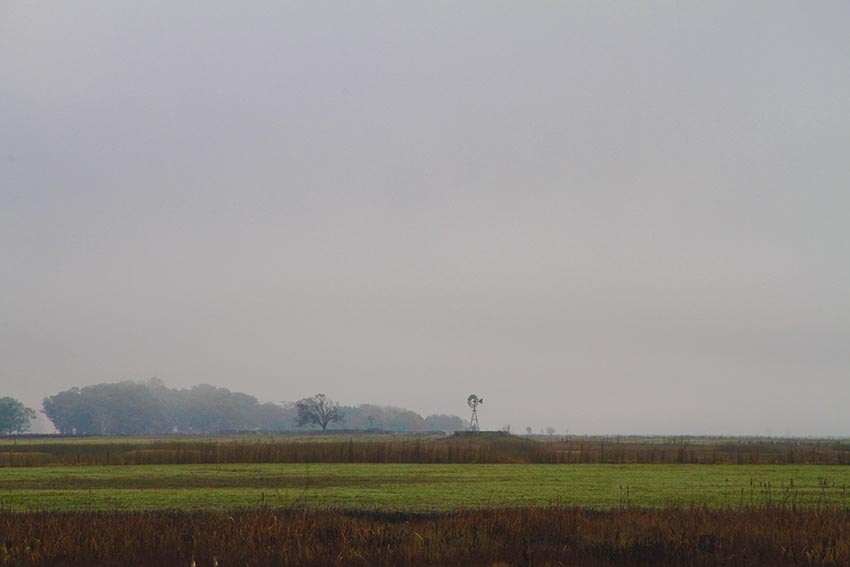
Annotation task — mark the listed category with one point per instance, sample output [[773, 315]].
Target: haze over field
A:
[[607, 217]]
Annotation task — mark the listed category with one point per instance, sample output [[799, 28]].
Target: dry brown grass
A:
[[461, 449], [550, 536]]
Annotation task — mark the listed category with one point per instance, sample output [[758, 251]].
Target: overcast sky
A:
[[604, 217]]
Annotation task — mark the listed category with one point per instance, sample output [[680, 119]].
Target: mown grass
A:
[[421, 488]]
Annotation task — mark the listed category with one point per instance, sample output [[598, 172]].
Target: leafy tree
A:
[[126, 408], [121, 408], [385, 418], [139, 408], [208, 409], [70, 412], [390, 418], [276, 417], [318, 410], [366, 416], [406, 421], [15, 417], [442, 422]]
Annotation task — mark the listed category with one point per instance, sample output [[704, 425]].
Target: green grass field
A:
[[389, 487]]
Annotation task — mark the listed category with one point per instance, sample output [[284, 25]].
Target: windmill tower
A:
[[473, 402]]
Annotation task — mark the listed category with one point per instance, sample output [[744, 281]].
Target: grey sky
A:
[[607, 217]]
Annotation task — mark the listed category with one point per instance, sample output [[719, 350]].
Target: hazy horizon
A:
[[608, 218]]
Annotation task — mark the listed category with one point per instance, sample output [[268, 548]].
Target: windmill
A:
[[474, 401]]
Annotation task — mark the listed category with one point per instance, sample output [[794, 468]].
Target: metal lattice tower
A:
[[474, 401]]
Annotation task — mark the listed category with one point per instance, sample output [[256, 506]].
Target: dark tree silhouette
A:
[[318, 410]]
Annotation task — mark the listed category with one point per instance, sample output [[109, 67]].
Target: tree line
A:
[[151, 408]]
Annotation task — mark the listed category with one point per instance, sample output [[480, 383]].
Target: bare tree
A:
[[318, 410]]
